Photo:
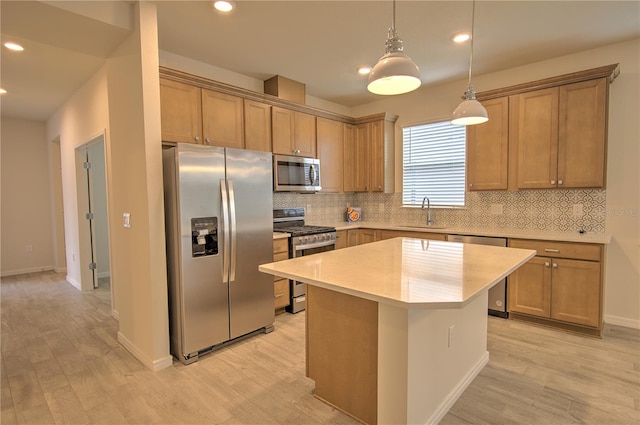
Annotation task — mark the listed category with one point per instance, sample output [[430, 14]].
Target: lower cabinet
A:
[[562, 284], [280, 286]]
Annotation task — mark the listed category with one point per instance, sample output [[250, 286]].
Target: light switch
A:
[[126, 219]]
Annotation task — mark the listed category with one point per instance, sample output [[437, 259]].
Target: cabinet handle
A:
[[555, 266], [296, 151], [197, 138], [553, 182], [559, 181], [279, 295], [470, 184], [546, 264], [557, 251], [207, 141]]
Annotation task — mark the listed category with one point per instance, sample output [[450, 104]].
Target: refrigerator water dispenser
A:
[[204, 236]]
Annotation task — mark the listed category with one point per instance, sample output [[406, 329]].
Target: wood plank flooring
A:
[[61, 363]]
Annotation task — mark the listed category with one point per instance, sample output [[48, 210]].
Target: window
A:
[[434, 164]]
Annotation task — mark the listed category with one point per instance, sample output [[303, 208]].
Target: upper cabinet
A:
[[222, 119], [330, 144], [369, 155], [488, 148], [293, 132], [257, 126], [545, 134], [181, 112]]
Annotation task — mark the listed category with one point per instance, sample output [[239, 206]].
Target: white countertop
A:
[[406, 272], [599, 238]]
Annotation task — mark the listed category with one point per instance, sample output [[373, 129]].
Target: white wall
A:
[[26, 198], [622, 280], [83, 117]]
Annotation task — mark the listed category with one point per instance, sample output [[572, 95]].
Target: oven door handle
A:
[[313, 245]]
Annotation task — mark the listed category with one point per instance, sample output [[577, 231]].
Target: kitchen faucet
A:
[[426, 198]]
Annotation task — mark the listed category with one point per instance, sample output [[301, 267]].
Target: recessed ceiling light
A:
[[224, 6], [461, 37], [364, 70], [3, 91], [13, 46]]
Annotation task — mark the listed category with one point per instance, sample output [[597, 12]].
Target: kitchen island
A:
[[397, 329]]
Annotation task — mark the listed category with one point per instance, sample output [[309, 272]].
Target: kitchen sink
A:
[[424, 226]]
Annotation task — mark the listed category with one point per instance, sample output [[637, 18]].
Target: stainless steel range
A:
[[305, 240]]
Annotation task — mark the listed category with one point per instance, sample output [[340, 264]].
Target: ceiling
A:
[[319, 43]]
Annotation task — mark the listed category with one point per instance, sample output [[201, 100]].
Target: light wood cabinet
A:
[[563, 284], [342, 239], [357, 160], [582, 134], [281, 294], [368, 235], [488, 148], [330, 145], [373, 150], [222, 120], [353, 237], [293, 132], [560, 135], [257, 126], [181, 112], [376, 156]]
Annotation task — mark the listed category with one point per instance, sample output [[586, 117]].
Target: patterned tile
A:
[[549, 210]]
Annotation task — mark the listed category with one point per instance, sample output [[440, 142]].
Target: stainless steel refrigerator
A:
[[219, 228]]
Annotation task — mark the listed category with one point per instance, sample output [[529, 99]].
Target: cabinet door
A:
[[353, 237], [349, 163], [361, 183], [488, 148], [181, 112], [369, 235], [582, 134], [534, 118], [257, 126], [530, 288], [376, 156], [282, 130], [222, 120], [342, 239], [331, 154], [304, 134], [575, 291]]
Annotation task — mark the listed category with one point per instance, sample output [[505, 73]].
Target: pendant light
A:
[[470, 111], [394, 73]]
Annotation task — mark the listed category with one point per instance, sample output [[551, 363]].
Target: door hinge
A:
[[86, 165], [89, 216], [93, 266]]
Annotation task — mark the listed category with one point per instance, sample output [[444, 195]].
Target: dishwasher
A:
[[498, 293]]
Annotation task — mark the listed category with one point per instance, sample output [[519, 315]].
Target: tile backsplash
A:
[[545, 210]]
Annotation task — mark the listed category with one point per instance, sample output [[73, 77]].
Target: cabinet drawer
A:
[[281, 245], [281, 293], [578, 251], [279, 256]]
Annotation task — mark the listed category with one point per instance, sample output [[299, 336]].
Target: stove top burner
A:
[[299, 230]]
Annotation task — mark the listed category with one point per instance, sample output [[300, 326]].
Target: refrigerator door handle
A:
[[225, 231], [232, 217]]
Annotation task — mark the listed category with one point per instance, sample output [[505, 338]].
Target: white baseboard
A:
[[455, 394], [104, 274], [154, 365], [74, 283], [115, 315], [622, 321], [25, 271]]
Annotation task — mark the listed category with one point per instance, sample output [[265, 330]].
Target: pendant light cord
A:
[[473, 14], [393, 23]]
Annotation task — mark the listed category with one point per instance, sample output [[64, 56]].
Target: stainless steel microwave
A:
[[296, 174]]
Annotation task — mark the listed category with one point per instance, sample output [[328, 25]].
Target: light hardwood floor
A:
[[61, 363]]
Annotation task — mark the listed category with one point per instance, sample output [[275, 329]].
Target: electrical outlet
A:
[[29, 248], [126, 220], [450, 340], [73, 257], [577, 210]]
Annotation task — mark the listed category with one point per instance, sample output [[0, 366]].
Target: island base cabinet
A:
[[387, 364]]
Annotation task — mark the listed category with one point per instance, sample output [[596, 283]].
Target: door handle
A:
[[552, 250], [232, 218], [312, 174], [225, 231]]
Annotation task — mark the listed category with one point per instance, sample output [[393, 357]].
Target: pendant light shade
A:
[[470, 111], [395, 72]]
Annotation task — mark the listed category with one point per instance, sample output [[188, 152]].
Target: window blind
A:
[[434, 164]]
